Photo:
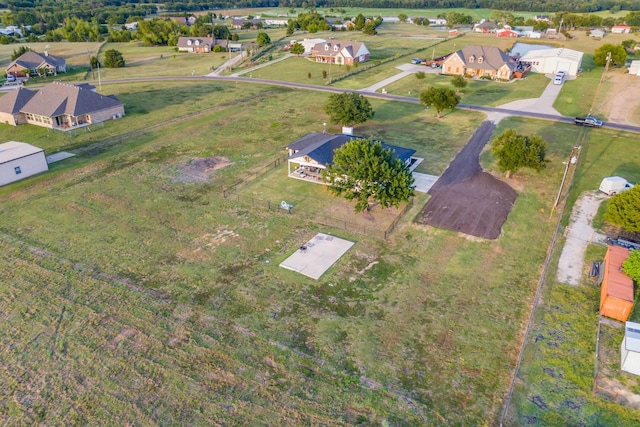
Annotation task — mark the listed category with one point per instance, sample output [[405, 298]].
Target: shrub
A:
[[420, 75]]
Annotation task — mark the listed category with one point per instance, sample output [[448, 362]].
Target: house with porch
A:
[[59, 106], [33, 63], [340, 52], [310, 155], [478, 61]]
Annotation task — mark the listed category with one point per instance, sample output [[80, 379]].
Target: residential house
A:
[[196, 44], [13, 31], [131, 26], [506, 31], [630, 348], [616, 295], [33, 63], [311, 154], [550, 61], [621, 29], [597, 33], [19, 160], [485, 27], [276, 22], [544, 18], [244, 23], [437, 22], [59, 106], [308, 44], [480, 61], [340, 52]]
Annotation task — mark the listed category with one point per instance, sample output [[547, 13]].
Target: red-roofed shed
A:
[[616, 297]]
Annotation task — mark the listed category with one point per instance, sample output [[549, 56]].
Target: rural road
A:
[[388, 97]]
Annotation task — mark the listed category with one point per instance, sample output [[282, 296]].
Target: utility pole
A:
[[606, 67]]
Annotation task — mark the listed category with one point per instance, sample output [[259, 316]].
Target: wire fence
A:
[[374, 231], [240, 183]]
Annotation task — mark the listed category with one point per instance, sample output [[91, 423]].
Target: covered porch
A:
[[305, 171], [66, 122]]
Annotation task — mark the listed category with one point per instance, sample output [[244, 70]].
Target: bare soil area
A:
[[202, 169], [467, 199], [623, 106]]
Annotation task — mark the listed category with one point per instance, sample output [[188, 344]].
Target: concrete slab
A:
[[317, 255], [56, 157], [424, 182]]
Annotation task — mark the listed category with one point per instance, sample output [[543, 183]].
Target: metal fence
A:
[[233, 188], [320, 218]]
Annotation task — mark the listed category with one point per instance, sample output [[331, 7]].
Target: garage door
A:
[[564, 66]]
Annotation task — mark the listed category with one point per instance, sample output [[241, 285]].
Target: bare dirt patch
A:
[[202, 169], [623, 104], [467, 199]]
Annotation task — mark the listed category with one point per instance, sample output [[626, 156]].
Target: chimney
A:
[[46, 53]]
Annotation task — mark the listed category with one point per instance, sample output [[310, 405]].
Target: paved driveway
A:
[[424, 182]]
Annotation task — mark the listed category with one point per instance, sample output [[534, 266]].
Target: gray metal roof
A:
[[15, 150], [632, 335]]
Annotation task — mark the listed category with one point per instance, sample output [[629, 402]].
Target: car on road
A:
[[588, 121]]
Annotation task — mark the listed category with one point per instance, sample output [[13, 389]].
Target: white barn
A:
[[19, 160], [550, 61], [634, 68], [630, 348]]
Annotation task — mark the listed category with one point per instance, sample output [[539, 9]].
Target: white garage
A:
[[19, 160], [630, 349], [550, 61], [634, 68]]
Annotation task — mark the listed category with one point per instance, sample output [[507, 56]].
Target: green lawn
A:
[[556, 376], [131, 293]]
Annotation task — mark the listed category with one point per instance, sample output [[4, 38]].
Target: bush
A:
[[420, 75], [218, 48]]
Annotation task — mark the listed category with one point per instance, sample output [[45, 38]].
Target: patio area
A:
[[308, 173]]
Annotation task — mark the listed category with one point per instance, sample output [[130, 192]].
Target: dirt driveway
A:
[[623, 103], [467, 199]]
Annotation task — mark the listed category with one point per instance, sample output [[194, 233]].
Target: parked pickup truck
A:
[[588, 121]]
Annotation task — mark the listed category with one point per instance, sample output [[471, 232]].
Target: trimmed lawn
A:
[[477, 92]]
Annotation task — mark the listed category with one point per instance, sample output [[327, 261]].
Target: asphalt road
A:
[[389, 97]]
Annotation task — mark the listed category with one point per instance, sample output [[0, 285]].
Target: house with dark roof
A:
[[59, 106], [34, 62], [478, 61], [309, 155], [340, 52]]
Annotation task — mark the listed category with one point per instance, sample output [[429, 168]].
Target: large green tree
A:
[[624, 210], [297, 49], [439, 98], [365, 171], [618, 55], [631, 266], [113, 59], [263, 39], [515, 151], [348, 109]]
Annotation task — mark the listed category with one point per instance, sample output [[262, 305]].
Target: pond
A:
[[521, 49]]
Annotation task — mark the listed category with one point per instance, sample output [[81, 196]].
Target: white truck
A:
[[613, 185]]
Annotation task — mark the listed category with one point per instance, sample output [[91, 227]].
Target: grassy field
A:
[[556, 377], [191, 319]]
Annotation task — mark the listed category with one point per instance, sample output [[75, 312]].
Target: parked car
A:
[[11, 78], [417, 61], [559, 79], [613, 185]]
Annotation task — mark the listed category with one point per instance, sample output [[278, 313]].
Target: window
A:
[[472, 58], [480, 60], [18, 170]]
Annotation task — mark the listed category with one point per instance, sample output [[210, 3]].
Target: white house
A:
[[620, 29], [19, 160], [597, 33], [630, 348], [550, 61], [634, 69], [437, 22]]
